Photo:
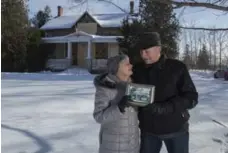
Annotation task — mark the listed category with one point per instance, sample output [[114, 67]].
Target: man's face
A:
[[151, 55]]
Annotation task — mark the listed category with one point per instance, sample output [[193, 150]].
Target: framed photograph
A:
[[140, 94]]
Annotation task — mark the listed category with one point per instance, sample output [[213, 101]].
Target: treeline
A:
[[205, 49], [21, 38]]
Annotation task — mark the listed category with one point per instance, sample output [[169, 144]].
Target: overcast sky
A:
[[198, 16]]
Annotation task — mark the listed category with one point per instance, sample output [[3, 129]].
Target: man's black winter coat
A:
[[175, 93]]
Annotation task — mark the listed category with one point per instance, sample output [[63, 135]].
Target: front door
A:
[[74, 53]]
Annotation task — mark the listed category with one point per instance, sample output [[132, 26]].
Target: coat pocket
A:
[[165, 124]]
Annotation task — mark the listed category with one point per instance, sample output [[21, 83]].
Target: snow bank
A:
[[73, 74], [202, 73]]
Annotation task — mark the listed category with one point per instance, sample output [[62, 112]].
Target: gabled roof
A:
[[110, 20], [104, 20], [62, 22], [106, 13]]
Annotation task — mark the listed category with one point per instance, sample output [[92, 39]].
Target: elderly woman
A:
[[119, 131]]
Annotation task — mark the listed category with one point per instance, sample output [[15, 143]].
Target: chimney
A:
[[60, 11], [131, 6]]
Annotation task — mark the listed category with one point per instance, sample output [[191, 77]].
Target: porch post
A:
[[69, 50], [89, 50], [88, 59]]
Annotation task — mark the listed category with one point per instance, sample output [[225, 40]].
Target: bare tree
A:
[[210, 46], [214, 48], [216, 43], [212, 4], [221, 5], [207, 29], [222, 40], [225, 59], [78, 2], [190, 40], [214, 38]]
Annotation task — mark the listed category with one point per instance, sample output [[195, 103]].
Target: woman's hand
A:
[[123, 104]]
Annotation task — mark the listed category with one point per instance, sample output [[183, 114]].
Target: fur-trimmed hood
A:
[[106, 80], [109, 81]]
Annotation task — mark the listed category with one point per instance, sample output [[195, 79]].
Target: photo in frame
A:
[[140, 94]]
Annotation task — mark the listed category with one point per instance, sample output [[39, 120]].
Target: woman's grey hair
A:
[[113, 63]]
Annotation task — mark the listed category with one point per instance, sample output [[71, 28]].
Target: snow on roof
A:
[[78, 33], [110, 20], [104, 20], [98, 38], [105, 13], [62, 22]]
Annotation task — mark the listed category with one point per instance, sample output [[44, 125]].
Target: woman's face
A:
[[125, 67]]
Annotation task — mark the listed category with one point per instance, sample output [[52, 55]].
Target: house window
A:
[[101, 51], [61, 50]]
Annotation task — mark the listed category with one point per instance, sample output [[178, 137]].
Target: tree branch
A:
[[194, 4], [111, 2], [206, 29]]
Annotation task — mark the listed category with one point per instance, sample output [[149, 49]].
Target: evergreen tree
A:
[[128, 44], [41, 17], [37, 53], [203, 58], [14, 34], [161, 18], [187, 57]]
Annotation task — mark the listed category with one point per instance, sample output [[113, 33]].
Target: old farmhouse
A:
[[84, 40]]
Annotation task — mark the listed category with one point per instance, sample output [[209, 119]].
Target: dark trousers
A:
[[175, 144]]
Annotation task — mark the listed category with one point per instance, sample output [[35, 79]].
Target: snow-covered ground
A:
[[52, 113]]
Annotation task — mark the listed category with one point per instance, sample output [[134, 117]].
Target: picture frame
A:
[[140, 94]]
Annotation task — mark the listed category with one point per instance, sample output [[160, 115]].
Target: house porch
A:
[[82, 50]]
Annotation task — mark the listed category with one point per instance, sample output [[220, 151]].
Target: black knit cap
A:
[[149, 39]]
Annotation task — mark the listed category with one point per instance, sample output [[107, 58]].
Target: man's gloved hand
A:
[[123, 104]]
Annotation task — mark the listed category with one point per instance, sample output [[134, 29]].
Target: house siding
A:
[[86, 18], [108, 31], [59, 32], [113, 49], [87, 24], [90, 28], [82, 54]]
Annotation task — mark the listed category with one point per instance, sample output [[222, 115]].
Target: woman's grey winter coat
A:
[[119, 132]]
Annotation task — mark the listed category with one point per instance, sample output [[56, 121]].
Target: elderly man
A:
[[166, 119]]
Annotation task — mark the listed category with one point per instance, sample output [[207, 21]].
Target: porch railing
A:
[[94, 65], [58, 64], [97, 65]]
